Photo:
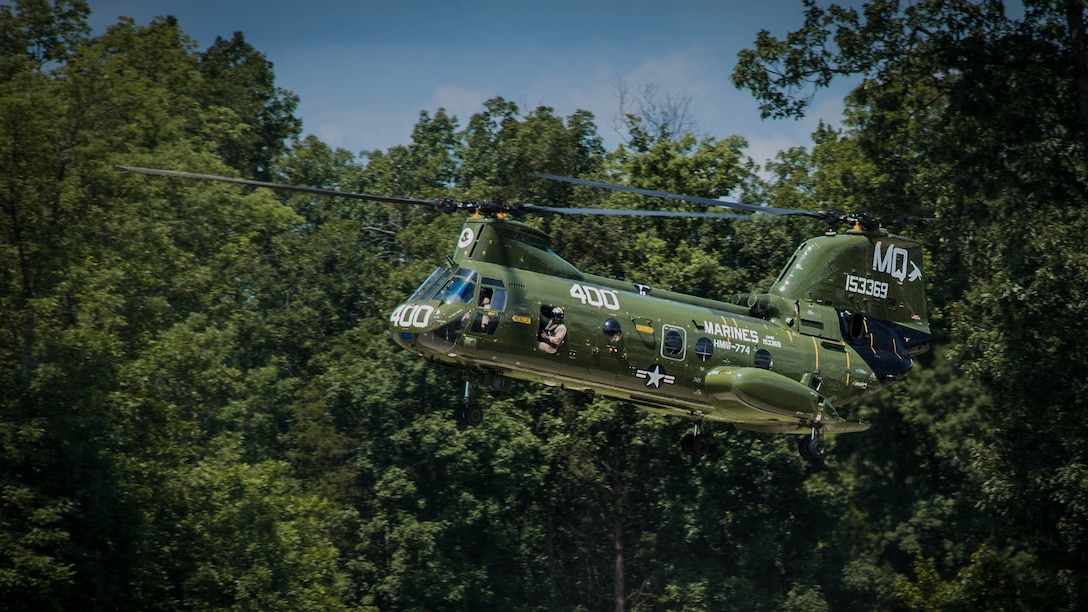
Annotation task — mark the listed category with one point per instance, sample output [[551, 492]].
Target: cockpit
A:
[[445, 306]]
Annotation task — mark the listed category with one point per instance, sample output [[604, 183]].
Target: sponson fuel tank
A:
[[760, 389]]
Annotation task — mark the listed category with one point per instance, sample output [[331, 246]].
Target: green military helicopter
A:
[[843, 320]]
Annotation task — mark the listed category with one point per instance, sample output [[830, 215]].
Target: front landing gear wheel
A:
[[470, 416], [695, 445], [812, 447]]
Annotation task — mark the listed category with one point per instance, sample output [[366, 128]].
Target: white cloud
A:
[[763, 148]]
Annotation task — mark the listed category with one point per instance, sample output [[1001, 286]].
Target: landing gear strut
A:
[[812, 446], [468, 413], [696, 443]]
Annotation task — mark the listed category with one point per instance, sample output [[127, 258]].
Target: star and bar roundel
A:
[[655, 376]]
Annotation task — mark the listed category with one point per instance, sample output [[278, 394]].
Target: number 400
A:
[[593, 296]]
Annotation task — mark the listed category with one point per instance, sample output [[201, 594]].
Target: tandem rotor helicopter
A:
[[843, 320]]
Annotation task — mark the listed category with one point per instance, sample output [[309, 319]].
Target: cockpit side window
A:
[[492, 295]]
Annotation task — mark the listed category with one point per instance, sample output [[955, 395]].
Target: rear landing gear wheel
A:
[[812, 447], [695, 445]]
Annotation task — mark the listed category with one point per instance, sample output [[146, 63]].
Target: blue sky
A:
[[364, 70]]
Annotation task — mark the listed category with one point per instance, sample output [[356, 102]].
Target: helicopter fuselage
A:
[[490, 312]]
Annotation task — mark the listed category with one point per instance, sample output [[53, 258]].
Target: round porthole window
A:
[[613, 331], [704, 349], [764, 359]]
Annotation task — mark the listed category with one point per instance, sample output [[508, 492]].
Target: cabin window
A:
[[492, 300], [485, 323], [764, 359], [672, 346], [704, 349]]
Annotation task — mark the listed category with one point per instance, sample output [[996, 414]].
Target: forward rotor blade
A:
[[676, 196], [486, 207], [313, 190]]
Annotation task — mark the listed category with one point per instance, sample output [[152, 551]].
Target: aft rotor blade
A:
[[634, 213], [313, 190], [676, 196]]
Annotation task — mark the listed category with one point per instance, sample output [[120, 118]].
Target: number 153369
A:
[[866, 286]]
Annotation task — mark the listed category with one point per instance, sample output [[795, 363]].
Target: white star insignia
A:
[[655, 376]]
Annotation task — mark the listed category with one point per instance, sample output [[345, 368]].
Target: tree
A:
[[257, 117], [502, 150], [40, 33], [107, 264], [68, 308], [424, 168], [647, 114]]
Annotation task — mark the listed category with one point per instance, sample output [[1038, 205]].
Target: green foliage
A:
[[249, 538], [37, 34], [426, 168], [238, 83], [502, 150], [951, 111], [926, 592]]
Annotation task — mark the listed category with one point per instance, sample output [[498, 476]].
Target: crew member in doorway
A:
[[553, 331], [613, 333]]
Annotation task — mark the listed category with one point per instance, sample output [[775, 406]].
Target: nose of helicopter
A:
[[428, 327]]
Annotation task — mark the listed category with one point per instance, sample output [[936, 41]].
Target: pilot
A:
[[553, 333]]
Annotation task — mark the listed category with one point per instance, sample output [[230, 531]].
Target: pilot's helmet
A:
[[557, 314], [612, 327]]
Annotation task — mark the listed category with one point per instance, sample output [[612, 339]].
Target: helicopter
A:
[[843, 320]]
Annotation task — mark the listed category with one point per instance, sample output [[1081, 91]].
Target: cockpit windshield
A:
[[458, 290], [433, 282], [448, 286]]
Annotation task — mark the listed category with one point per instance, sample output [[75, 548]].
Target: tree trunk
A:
[[618, 586]]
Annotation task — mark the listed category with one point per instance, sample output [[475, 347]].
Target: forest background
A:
[[201, 407]]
